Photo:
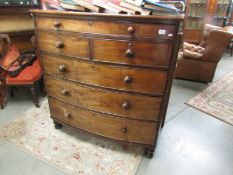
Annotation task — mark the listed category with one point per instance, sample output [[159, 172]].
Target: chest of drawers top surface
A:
[[175, 17], [115, 70]]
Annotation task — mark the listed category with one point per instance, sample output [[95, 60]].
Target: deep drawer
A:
[[121, 104], [104, 125], [128, 79]]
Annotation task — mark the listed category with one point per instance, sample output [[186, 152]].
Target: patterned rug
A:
[[217, 99], [70, 151]]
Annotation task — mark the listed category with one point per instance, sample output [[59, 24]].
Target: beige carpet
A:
[[68, 150], [217, 99]]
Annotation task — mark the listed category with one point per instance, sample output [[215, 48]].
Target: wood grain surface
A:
[[104, 125], [132, 52], [145, 81], [140, 107]]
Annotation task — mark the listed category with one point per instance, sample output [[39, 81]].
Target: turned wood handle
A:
[[67, 115], [62, 68], [57, 24], [129, 53], [128, 79], [59, 44], [124, 129], [130, 29], [125, 105], [64, 92]]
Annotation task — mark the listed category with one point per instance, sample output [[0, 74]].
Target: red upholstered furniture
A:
[[28, 77]]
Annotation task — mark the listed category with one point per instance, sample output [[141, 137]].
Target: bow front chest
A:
[[109, 75]]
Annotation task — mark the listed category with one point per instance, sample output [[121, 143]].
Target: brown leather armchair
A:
[[198, 62]]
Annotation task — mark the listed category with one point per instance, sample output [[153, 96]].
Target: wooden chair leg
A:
[[34, 95], [2, 97], [42, 88], [12, 91], [231, 50], [1, 101], [2, 105]]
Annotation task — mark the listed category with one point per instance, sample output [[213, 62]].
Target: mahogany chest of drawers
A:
[[109, 75]]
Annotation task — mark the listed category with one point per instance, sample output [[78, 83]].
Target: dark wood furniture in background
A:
[[17, 7], [109, 75], [20, 32], [16, 21], [200, 12]]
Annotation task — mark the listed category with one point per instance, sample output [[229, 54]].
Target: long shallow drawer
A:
[[106, 27], [104, 125], [132, 52], [129, 79], [121, 104], [64, 45]]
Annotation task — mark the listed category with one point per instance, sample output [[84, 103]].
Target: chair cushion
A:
[[29, 75], [192, 51]]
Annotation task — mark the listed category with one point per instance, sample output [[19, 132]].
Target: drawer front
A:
[[143, 30], [129, 79], [104, 125], [107, 28], [64, 45], [132, 52], [63, 24], [121, 104]]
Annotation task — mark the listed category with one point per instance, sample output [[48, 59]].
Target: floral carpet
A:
[[217, 99], [70, 151]]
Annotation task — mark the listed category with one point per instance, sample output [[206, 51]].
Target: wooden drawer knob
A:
[[131, 29], [64, 92], [128, 79], [124, 129], [125, 105], [67, 115], [62, 68], [57, 24], [59, 44], [129, 53]]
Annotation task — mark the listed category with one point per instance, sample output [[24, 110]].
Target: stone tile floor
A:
[[191, 142]]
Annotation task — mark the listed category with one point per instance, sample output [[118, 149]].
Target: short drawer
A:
[[62, 24], [121, 104], [104, 125], [128, 29], [132, 52], [64, 45], [128, 79]]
